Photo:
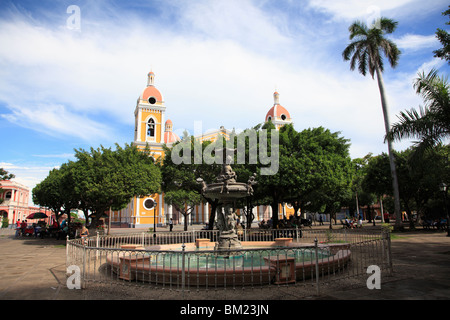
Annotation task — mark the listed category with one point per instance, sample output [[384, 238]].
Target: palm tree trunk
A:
[[384, 105]]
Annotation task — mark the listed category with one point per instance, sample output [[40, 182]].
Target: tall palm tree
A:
[[365, 51], [431, 124]]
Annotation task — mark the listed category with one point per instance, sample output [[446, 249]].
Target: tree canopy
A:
[[444, 38], [431, 123], [179, 179], [98, 180], [5, 175], [419, 182]]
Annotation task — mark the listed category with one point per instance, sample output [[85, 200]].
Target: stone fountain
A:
[[280, 261], [227, 190]]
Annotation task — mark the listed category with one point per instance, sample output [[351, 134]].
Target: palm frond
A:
[[357, 29], [363, 59], [348, 51], [411, 124], [391, 51], [434, 90], [387, 25]]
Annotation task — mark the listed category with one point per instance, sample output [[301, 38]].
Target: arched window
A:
[[151, 128]]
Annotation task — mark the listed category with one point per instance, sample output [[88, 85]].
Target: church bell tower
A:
[[149, 118]]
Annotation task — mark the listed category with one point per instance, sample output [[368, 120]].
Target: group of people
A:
[[436, 223], [291, 223], [266, 225], [22, 228], [39, 228], [352, 223]]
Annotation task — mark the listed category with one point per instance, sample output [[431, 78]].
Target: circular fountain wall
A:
[[280, 261]]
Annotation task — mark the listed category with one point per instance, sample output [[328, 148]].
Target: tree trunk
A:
[[296, 206], [249, 216], [95, 218], [384, 105], [212, 216], [274, 206], [331, 221], [186, 216]]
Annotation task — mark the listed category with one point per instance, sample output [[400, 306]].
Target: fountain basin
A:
[[202, 266], [230, 191]]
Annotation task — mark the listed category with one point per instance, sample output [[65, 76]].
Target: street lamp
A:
[[444, 188], [154, 217], [151, 204]]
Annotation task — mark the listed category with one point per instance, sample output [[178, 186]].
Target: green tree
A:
[[365, 52], [4, 175], [245, 165], [56, 191], [184, 202], [431, 124], [444, 39], [179, 178], [326, 173], [419, 182], [314, 171], [107, 179], [271, 187], [359, 196]]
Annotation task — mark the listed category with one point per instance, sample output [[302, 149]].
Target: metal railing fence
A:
[[163, 260]]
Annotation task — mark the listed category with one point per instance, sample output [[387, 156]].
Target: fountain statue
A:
[[227, 190]]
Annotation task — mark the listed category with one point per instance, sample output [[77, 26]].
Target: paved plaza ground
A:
[[34, 269]]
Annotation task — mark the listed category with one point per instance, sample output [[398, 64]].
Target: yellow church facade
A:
[[153, 130]]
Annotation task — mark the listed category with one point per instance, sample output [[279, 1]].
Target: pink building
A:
[[15, 204]]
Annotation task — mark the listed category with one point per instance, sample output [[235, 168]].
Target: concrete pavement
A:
[[34, 269]]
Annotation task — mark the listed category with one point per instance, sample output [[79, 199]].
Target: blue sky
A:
[[66, 86]]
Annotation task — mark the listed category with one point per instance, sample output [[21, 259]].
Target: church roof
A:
[[151, 91], [169, 136], [277, 112]]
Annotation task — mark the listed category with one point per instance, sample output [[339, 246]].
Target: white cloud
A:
[[220, 66], [414, 42], [369, 10], [241, 21], [28, 174], [62, 155], [353, 9], [56, 120]]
